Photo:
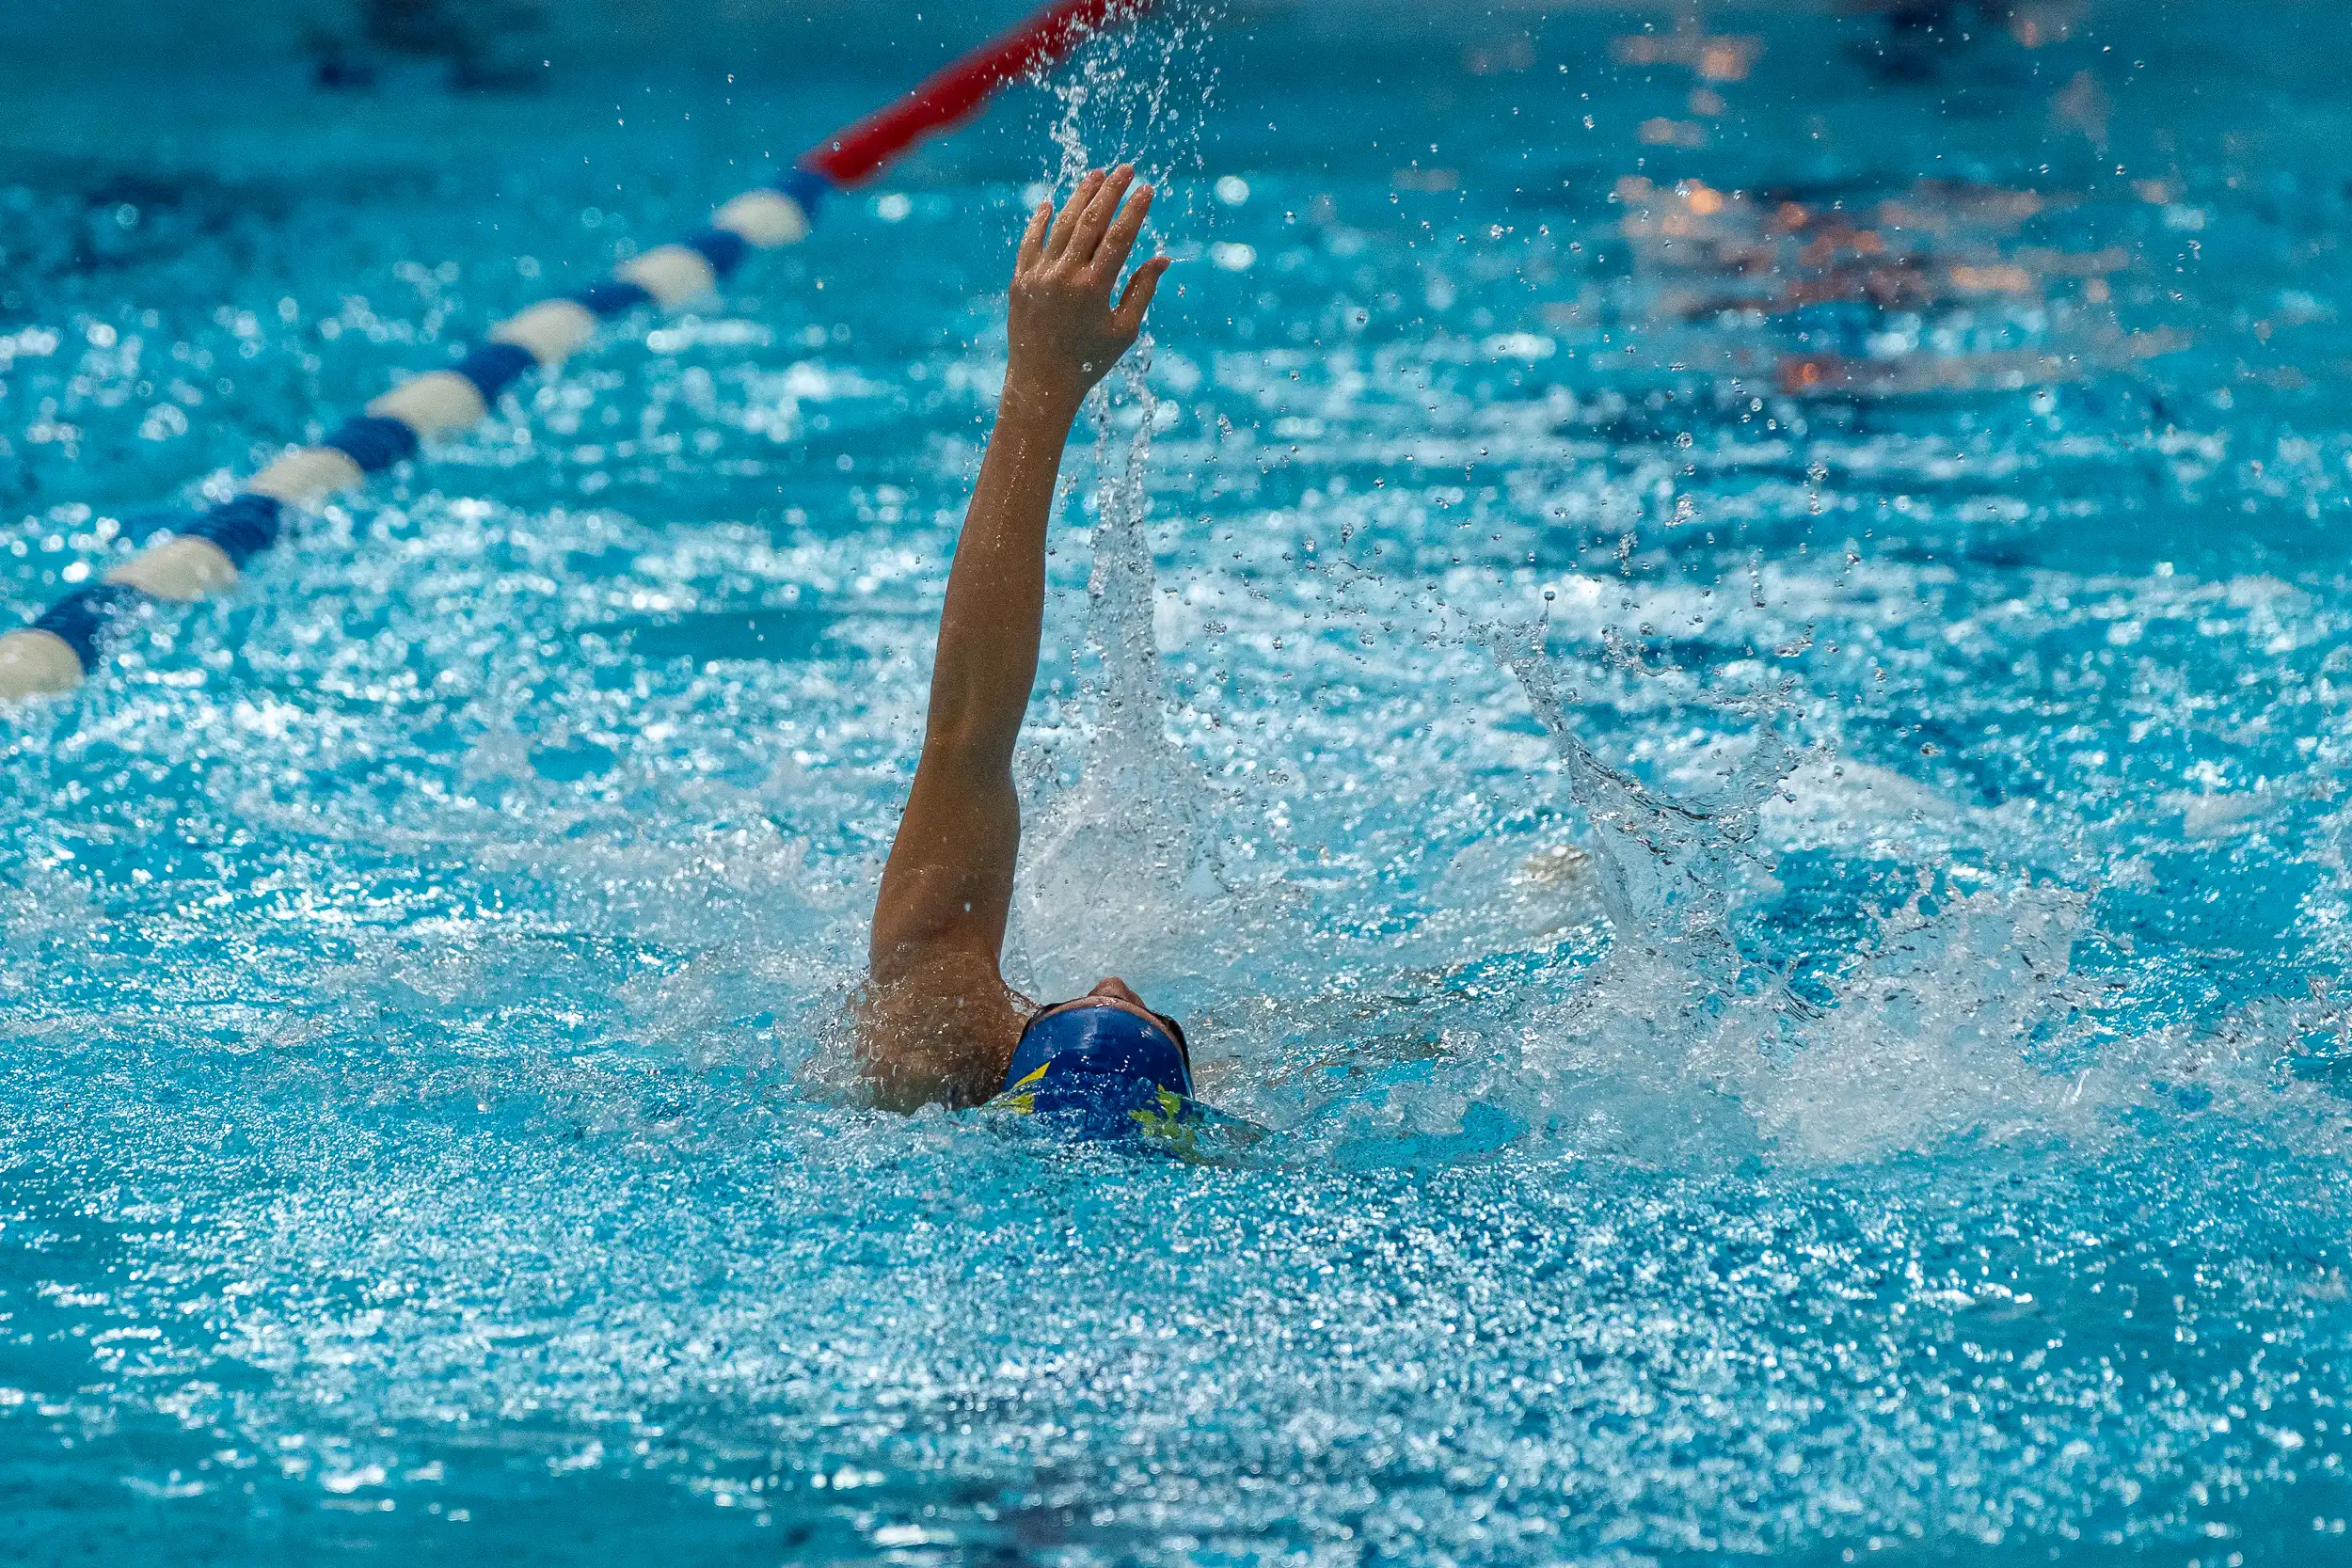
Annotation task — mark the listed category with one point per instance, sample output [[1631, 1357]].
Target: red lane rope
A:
[[956, 93]]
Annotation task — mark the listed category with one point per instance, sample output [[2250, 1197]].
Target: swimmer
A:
[[936, 1022]]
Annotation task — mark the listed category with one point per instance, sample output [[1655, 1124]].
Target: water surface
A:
[[1718, 692]]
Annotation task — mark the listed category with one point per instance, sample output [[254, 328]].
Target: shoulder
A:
[[938, 1030]]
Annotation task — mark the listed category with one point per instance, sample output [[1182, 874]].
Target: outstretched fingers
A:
[[1033, 239], [1112, 257], [1138, 299], [1096, 220], [1066, 225]]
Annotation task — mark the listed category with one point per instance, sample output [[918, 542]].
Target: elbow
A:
[[968, 743]]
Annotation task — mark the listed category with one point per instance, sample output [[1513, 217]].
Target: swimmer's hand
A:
[[1066, 332]]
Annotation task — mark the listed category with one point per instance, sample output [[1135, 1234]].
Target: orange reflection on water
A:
[[1722, 57]]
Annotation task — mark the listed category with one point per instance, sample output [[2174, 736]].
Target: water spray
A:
[[205, 554]]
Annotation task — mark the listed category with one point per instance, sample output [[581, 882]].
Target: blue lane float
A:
[[205, 554]]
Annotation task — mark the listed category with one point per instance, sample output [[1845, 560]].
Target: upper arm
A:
[[940, 1032], [938, 1022], [947, 889]]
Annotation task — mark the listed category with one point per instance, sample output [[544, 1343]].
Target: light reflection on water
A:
[[411, 970]]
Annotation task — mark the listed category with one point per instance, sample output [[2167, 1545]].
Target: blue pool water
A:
[[1871, 1086]]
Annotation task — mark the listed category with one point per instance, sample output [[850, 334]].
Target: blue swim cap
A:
[[1100, 1068]]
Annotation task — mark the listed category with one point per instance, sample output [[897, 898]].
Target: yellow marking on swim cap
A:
[[1164, 1123], [1013, 1099]]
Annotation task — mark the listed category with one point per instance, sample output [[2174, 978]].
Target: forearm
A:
[[988, 629]]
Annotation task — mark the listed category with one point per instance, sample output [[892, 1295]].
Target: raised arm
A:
[[948, 885]]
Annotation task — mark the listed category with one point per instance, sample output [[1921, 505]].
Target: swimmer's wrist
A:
[[1042, 395]]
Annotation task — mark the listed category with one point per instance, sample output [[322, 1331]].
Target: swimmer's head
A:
[[1105, 1041], [1116, 993]]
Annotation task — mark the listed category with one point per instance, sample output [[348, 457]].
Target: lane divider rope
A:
[[206, 553]]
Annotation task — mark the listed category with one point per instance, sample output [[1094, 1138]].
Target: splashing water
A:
[[1674, 1010], [1120, 870], [1120, 874], [1959, 1015], [1124, 92], [1680, 1046]]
